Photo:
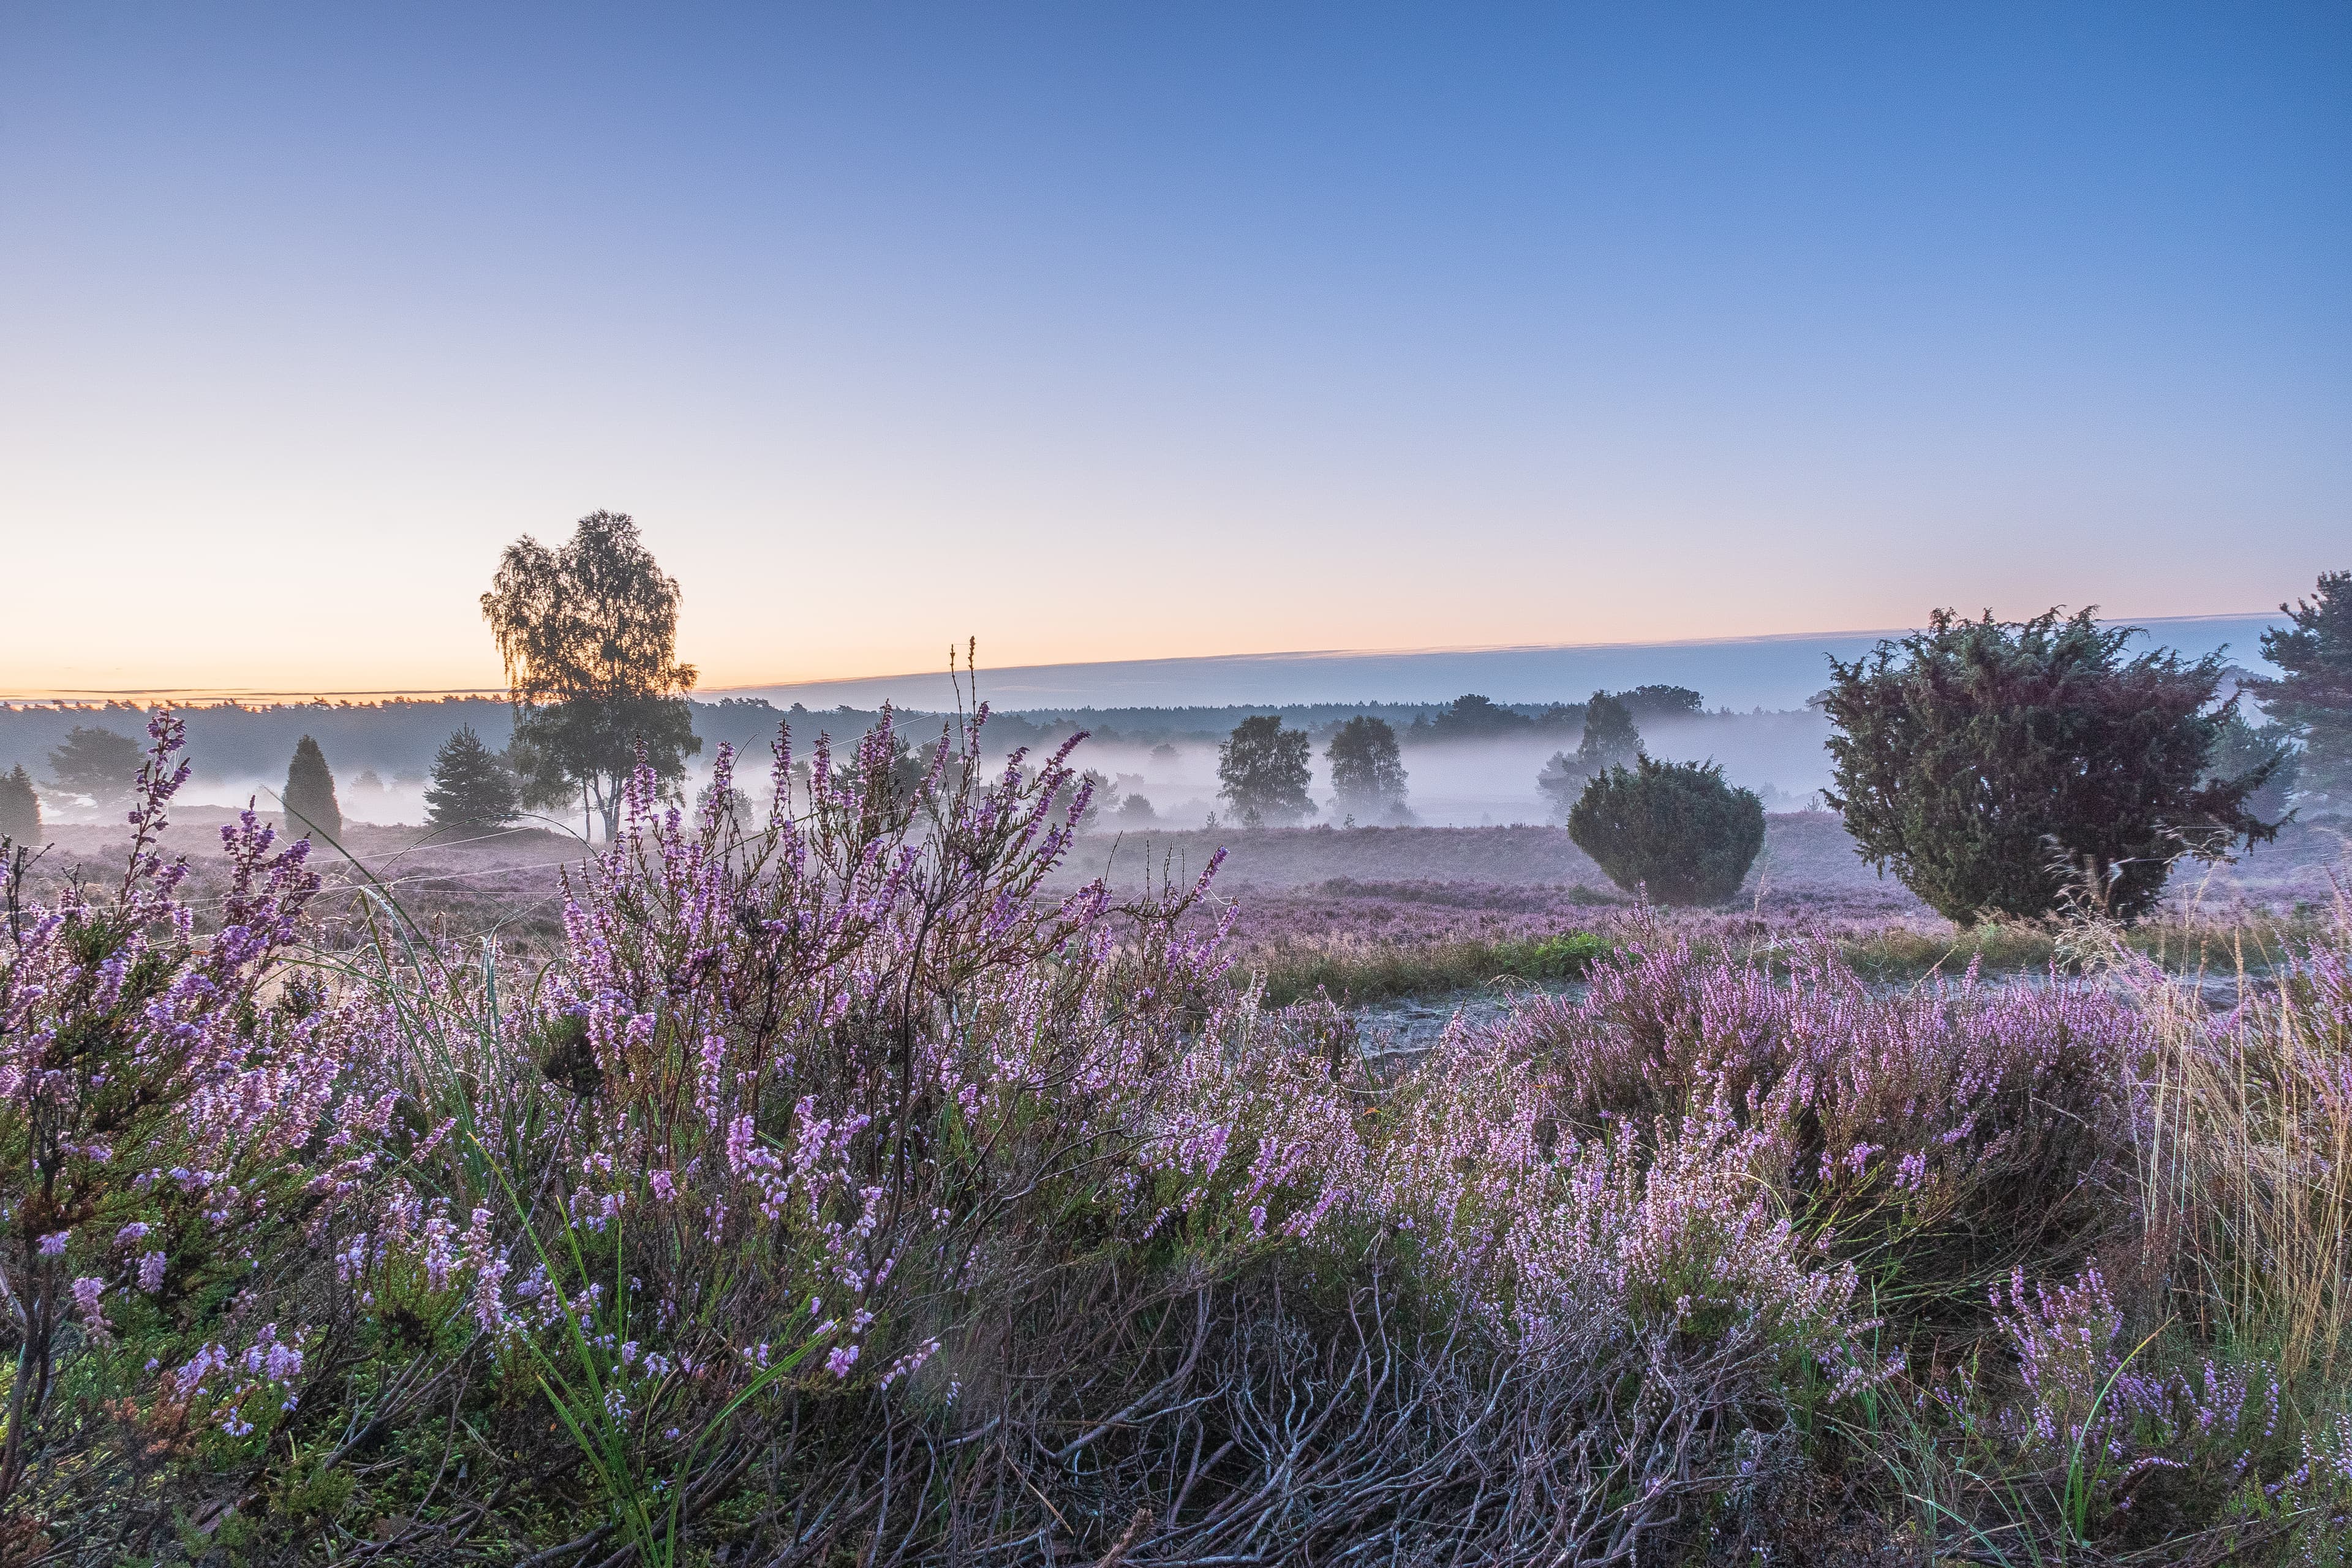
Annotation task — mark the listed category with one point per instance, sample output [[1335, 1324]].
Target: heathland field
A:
[[1370, 913], [905, 1168], [945, 1161]]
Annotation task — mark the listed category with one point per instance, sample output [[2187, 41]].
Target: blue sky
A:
[[1143, 331]]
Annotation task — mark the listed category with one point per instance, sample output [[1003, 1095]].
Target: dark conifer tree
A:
[[471, 787], [20, 808], [1611, 739], [2314, 699], [310, 798]]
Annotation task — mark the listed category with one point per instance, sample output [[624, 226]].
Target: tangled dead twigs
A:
[[1278, 1429]]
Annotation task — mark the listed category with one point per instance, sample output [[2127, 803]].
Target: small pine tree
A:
[[20, 808], [1675, 830], [472, 788], [1560, 781], [2242, 749], [310, 797]]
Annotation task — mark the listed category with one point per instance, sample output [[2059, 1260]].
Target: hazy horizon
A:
[[1769, 672]]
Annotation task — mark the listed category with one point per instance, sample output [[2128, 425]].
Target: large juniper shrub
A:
[[1675, 830], [1997, 767]]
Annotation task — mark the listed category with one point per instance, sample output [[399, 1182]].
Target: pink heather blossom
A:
[[86, 1292]]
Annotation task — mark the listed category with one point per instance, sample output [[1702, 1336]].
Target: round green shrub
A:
[[1674, 828]]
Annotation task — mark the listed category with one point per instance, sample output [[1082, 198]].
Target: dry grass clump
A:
[[2246, 1151]]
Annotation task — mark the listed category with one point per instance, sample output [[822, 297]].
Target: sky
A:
[[1150, 331]]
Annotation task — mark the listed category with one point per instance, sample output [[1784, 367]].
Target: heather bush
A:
[[180, 1142], [2143, 1452], [1938, 1137], [1652, 1288]]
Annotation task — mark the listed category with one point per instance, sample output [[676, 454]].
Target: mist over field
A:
[[1492, 782], [381, 779]]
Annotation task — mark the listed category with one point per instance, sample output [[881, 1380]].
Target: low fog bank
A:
[[1461, 784], [1492, 782], [368, 797]]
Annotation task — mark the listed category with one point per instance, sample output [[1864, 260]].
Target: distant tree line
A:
[[396, 738]]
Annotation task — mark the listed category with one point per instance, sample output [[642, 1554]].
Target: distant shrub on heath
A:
[[1263, 771], [1675, 831], [1368, 775]]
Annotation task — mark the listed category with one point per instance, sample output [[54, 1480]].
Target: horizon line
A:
[[166, 695]]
